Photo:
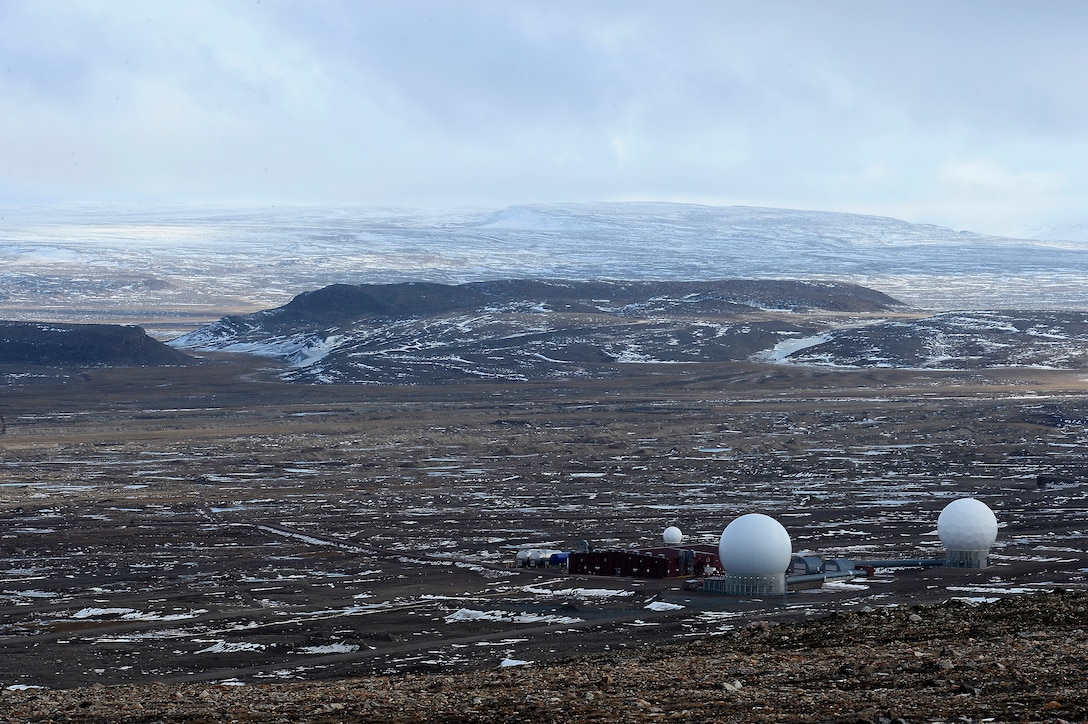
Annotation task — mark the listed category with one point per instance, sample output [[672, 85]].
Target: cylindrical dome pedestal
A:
[[738, 585], [967, 559]]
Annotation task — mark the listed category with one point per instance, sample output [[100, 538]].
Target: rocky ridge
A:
[[62, 345], [523, 330], [1020, 658], [534, 330]]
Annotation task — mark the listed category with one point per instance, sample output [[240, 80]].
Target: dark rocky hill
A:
[[521, 330], [346, 302], [524, 330], [83, 345]]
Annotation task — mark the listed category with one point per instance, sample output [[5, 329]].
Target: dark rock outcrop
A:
[[83, 345], [342, 302]]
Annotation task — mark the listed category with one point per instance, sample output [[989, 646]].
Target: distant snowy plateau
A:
[[262, 257], [946, 289]]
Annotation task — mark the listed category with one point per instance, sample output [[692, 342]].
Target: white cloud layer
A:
[[971, 114]]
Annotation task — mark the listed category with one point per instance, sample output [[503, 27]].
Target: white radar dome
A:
[[672, 536], [967, 524], [755, 545]]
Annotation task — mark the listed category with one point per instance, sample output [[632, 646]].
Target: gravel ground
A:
[[1021, 658]]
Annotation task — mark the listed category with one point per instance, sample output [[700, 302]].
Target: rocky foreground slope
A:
[[1018, 659]]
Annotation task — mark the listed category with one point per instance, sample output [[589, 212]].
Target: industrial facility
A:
[[754, 556], [658, 562]]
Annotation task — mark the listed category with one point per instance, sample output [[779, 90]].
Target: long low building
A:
[[659, 562]]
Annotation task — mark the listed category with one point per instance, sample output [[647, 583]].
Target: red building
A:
[[661, 562]]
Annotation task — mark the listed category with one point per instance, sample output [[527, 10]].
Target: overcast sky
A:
[[970, 114]]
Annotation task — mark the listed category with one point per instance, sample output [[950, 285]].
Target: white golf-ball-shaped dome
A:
[[967, 524], [755, 545], [672, 536]]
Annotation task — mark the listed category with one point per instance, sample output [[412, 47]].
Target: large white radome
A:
[[967, 524], [755, 545], [672, 536]]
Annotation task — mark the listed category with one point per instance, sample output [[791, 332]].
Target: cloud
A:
[[850, 106]]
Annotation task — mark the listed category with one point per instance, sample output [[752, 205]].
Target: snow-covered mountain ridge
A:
[[98, 260]]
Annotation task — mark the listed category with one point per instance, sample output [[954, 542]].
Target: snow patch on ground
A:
[[337, 648], [232, 647], [786, 347], [468, 615], [577, 592], [513, 662], [663, 606]]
